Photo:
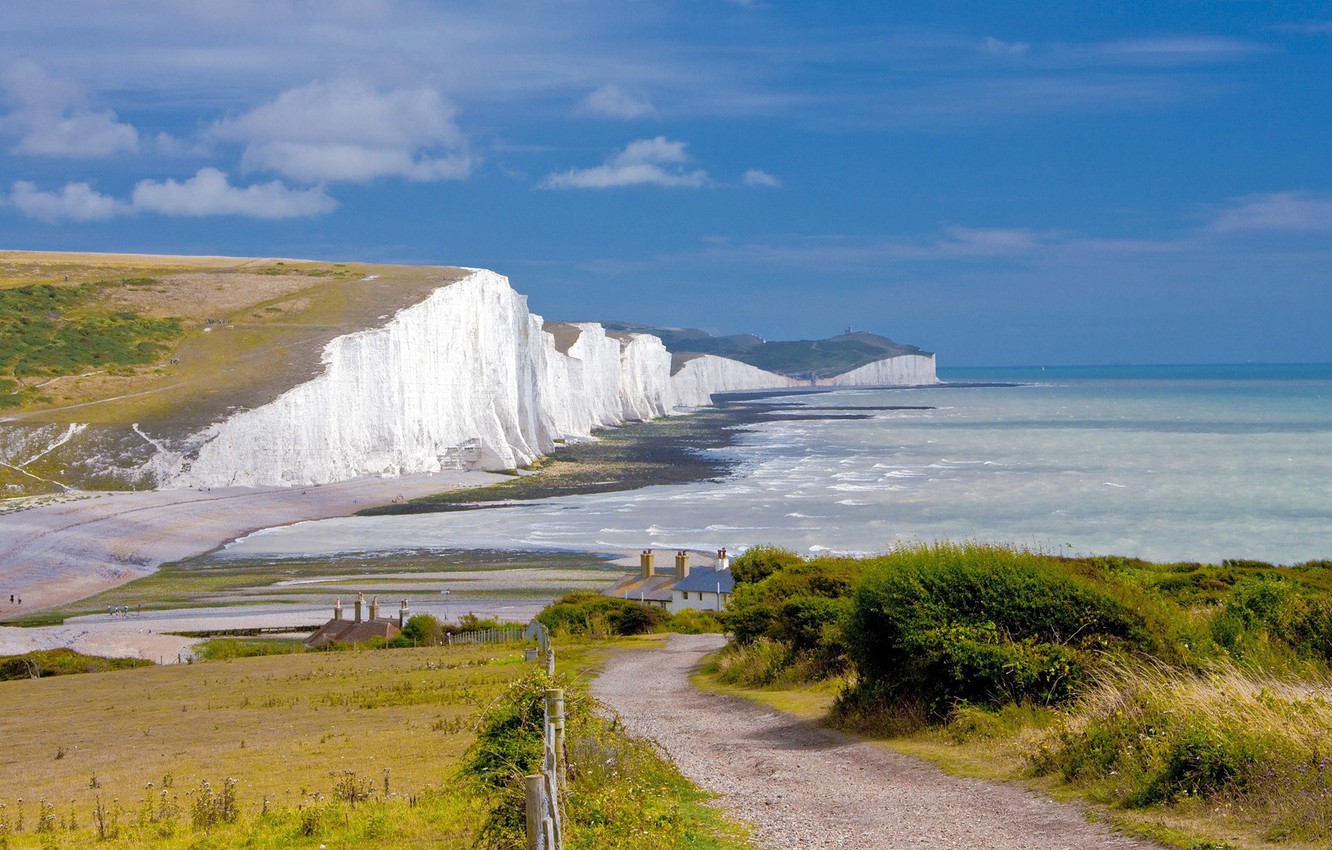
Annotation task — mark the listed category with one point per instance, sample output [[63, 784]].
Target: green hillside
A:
[[804, 359]]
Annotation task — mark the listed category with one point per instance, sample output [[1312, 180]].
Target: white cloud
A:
[[646, 162], [989, 241], [347, 130], [75, 202], [995, 47], [1179, 50], [612, 102], [207, 193], [758, 177], [51, 117], [1278, 211], [210, 193]]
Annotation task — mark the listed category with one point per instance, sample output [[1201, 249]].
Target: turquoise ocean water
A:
[[1162, 462]]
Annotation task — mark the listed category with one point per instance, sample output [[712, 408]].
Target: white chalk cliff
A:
[[904, 370], [466, 377], [702, 376]]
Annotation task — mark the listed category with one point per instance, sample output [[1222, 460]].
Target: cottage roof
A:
[[707, 580], [350, 631], [636, 588]]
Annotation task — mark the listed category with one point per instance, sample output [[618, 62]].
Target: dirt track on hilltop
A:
[[803, 785]]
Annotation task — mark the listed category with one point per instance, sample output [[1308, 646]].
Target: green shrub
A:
[[587, 612], [61, 662], [759, 562], [470, 622], [690, 621], [1268, 606], [422, 630], [811, 623], [949, 624]]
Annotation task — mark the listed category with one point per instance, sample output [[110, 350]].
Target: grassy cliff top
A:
[[178, 341], [805, 358]]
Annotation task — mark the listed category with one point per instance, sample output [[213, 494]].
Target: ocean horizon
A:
[[1164, 462]]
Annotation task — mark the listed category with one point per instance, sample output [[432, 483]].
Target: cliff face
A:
[[904, 370], [454, 380], [466, 377], [700, 377]]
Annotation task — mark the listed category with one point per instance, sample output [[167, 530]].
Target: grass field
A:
[[286, 727], [348, 749]]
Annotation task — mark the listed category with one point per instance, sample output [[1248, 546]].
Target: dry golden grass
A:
[[1296, 712], [279, 724]]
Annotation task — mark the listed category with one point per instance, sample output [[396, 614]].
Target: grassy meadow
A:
[[345, 749], [287, 728]]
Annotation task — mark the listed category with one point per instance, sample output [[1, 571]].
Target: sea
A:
[[1168, 463]]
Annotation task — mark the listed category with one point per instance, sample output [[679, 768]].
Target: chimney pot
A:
[[681, 565]]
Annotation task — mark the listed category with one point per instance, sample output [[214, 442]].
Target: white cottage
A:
[[705, 589]]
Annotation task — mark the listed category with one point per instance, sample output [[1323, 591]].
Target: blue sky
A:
[[1032, 183]]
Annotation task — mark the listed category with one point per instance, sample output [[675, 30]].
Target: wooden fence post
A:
[[555, 711], [535, 792]]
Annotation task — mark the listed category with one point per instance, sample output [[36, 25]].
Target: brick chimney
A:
[[374, 607], [646, 560], [403, 615], [337, 610], [360, 601], [681, 565], [723, 560]]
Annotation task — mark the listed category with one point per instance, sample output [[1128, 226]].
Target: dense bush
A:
[[1267, 607], [587, 612], [950, 623], [759, 562], [756, 608], [420, 630], [691, 621]]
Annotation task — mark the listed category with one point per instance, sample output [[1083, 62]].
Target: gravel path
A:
[[802, 785]]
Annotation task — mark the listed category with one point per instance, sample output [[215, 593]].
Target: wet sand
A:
[[85, 543]]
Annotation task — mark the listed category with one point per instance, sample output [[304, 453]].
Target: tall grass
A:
[[1254, 747]]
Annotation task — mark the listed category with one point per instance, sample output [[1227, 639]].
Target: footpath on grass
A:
[[803, 785]]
